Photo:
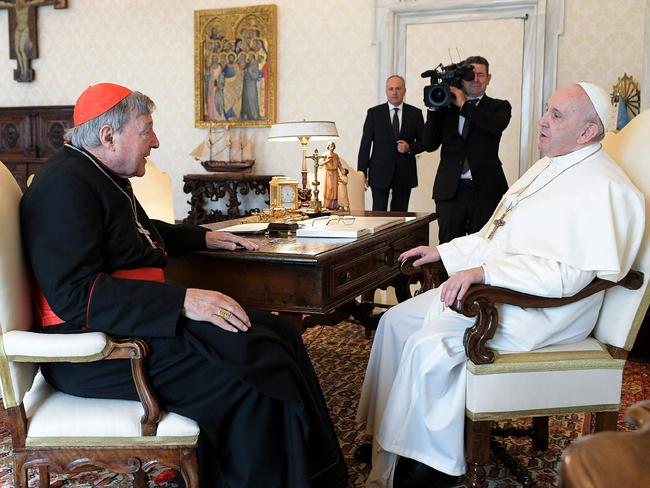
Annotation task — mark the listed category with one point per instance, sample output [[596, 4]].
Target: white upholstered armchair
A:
[[154, 192], [563, 379], [58, 433]]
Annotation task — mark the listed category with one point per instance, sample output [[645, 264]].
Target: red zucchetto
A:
[[97, 100]]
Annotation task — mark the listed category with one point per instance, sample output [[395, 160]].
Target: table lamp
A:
[[304, 131]]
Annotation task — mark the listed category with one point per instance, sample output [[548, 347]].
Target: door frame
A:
[[542, 28]]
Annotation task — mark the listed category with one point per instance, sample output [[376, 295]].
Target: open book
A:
[[345, 226]]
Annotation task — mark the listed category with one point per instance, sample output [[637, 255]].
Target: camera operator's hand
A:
[[458, 97], [403, 147]]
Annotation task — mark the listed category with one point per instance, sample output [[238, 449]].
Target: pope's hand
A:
[[424, 254], [217, 308], [456, 286], [226, 240]]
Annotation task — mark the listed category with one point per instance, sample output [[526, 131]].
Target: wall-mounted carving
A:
[[23, 36]]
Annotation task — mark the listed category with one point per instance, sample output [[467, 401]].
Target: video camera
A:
[[437, 94]]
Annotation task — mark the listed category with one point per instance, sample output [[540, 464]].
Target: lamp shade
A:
[[313, 130]]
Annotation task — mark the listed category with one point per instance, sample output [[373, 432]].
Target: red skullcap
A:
[[97, 100]]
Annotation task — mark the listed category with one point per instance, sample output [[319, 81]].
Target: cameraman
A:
[[393, 131], [470, 180]]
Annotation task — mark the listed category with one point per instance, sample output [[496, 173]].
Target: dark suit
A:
[[386, 168], [463, 207]]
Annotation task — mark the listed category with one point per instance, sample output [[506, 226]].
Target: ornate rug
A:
[[340, 354]]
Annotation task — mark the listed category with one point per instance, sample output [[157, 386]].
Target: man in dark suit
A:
[[392, 136], [470, 180]]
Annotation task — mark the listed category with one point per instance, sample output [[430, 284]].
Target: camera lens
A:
[[439, 96]]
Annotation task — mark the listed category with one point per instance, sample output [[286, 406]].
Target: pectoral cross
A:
[[23, 37], [145, 233], [500, 222]]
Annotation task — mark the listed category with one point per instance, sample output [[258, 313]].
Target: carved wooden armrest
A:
[[433, 274], [137, 351], [480, 301]]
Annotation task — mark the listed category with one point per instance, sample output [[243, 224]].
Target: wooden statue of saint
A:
[[23, 36]]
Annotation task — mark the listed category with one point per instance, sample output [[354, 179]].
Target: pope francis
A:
[[572, 217]]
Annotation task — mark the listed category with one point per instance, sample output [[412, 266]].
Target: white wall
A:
[[327, 65], [326, 70], [602, 39]]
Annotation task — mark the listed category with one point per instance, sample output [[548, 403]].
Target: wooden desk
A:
[[207, 187], [296, 276]]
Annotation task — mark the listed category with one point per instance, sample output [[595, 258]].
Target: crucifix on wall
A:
[[23, 36]]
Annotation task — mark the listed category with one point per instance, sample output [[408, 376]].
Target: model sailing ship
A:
[[215, 152]]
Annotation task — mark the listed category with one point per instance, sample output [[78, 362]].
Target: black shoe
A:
[[414, 474], [363, 453]]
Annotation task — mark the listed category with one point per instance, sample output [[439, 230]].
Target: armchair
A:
[[154, 192], [58, 433], [562, 379]]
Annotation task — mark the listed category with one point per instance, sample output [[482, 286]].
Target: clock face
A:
[[288, 195], [283, 193]]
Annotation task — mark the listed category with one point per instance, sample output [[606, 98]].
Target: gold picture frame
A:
[[235, 66]]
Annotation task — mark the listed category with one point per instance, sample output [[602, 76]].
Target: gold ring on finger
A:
[[224, 314]]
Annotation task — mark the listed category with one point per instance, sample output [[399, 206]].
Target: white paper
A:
[[249, 228]]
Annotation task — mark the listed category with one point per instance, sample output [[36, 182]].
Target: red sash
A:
[[45, 316]]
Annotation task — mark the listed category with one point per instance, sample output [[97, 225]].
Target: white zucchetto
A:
[[600, 100]]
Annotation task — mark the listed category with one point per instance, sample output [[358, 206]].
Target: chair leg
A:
[[20, 473], [189, 468], [477, 451], [606, 421], [140, 479], [540, 433], [44, 476], [587, 422]]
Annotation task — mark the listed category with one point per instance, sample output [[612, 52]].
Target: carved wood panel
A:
[[30, 135], [15, 135]]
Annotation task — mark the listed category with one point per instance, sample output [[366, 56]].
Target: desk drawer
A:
[[361, 271], [409, 241], [362, 268]]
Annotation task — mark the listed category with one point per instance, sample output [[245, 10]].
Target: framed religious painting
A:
[[235, 66]]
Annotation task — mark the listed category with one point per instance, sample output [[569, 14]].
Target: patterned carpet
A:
[[339, 355]]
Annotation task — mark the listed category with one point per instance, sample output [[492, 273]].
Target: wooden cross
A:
[[23, 36], [500, 222]]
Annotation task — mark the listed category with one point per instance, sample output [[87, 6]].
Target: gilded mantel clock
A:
[[283, 193]]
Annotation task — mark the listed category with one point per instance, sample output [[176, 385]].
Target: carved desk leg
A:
[[233, 201], [215, 190], [196, 214]]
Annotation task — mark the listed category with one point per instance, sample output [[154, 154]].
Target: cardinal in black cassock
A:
[[98, 264]]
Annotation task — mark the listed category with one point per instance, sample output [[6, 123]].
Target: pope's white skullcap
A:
[[600, 100]]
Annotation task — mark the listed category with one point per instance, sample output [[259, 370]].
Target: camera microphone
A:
[[429, 73]]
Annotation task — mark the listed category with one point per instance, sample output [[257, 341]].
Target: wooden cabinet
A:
[[30, 135]]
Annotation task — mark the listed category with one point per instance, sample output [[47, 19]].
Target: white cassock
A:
[[571, 218]]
